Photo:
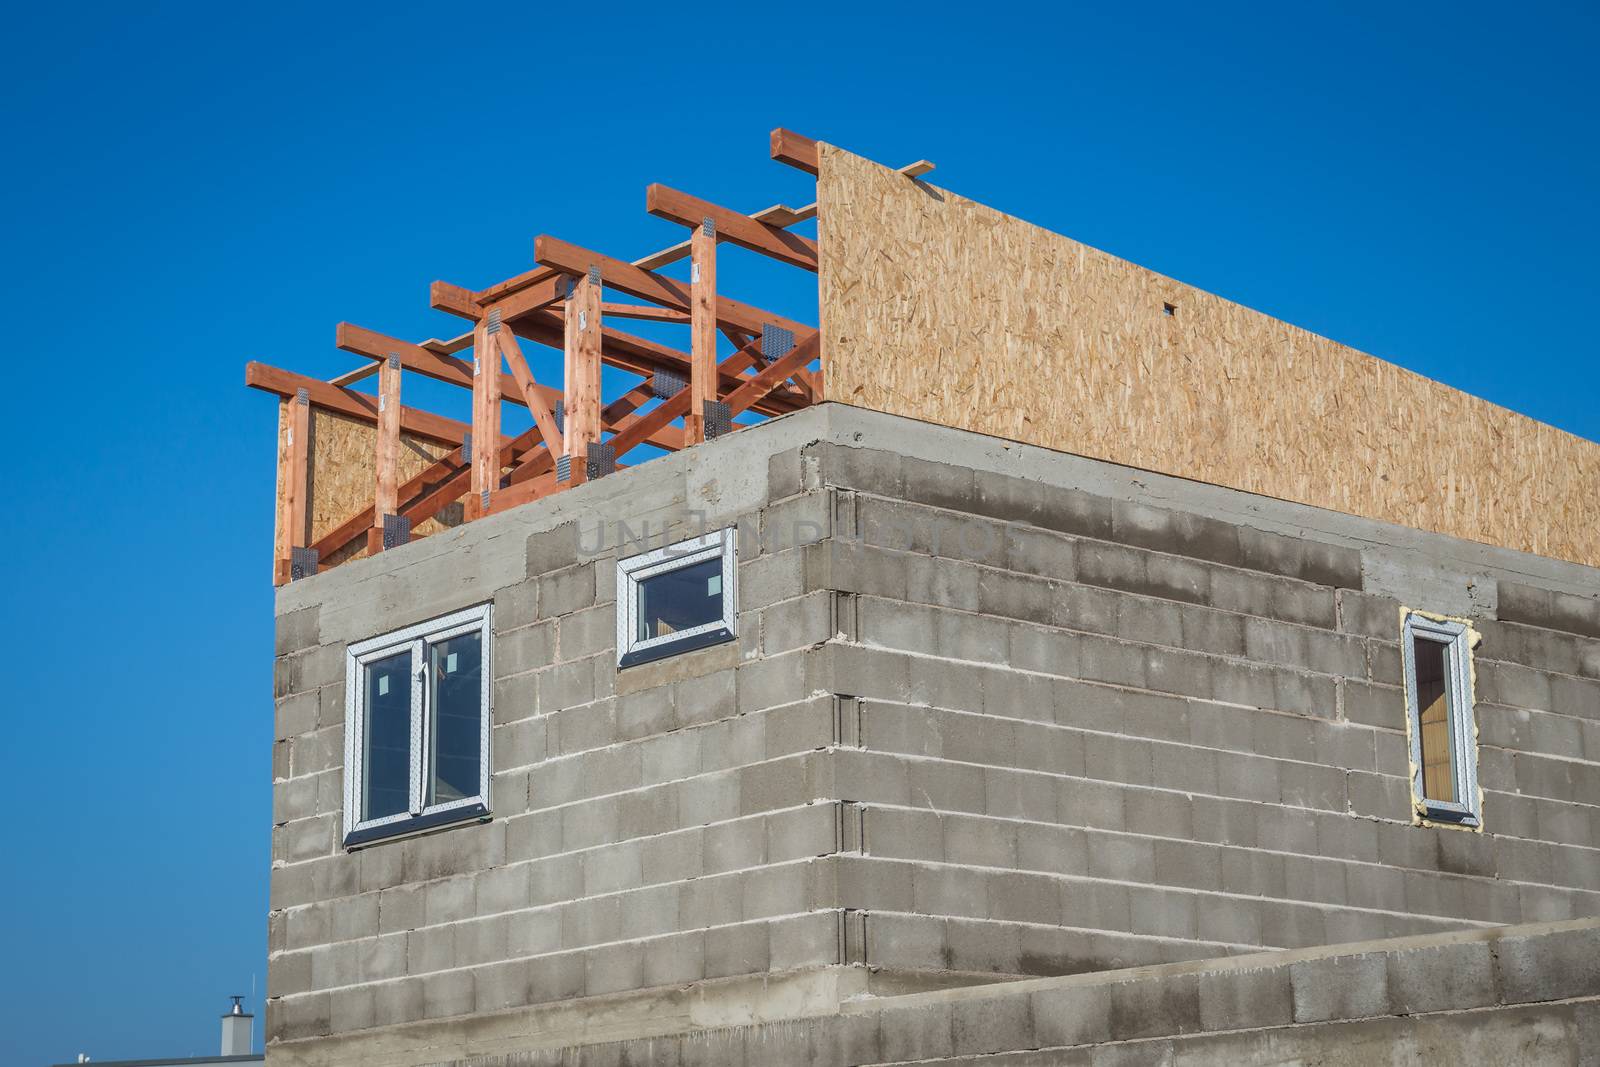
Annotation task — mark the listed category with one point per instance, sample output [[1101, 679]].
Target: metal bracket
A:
[[394, 361], [718, 419], [601, 459], [594, 274], [302, 395], [559, 413], [396, 531], [666, 385], [563, 468], [494, 320], [483, 503], [466, 447], [302, 563], [709, 224], [776, 342]]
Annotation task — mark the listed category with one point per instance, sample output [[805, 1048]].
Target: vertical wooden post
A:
[[280, 531], [485, 413], [702, 330], [387, 457], [581, 398], [297, 480]]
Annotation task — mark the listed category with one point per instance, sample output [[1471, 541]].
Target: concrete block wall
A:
[[1094, 732], [1020, 714], [1517, 995], [662, 825]]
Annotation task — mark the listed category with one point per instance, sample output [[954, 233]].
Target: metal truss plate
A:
[[396, 531], [563, 468], [302, 563], [666, 385], [602, 460], [776, 342], [719, 419]]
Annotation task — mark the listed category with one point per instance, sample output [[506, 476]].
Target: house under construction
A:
[[1036, 661]]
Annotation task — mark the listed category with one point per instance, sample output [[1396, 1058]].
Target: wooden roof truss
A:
[[561, 303]]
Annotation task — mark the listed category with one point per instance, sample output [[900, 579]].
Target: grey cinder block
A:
[[1240, 999], [1155, 1007], [1340, 987]]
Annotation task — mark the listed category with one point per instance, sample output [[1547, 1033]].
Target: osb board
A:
[[941, 309], [344, 474]]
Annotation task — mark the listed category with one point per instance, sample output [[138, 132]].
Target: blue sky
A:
[[191, 187]]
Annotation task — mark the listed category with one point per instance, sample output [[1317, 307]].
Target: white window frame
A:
[[420, 815], [1458, 639], [723, 544]]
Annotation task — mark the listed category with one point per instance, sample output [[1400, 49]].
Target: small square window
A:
[[677, 598], [1437, 655], [417, 727]]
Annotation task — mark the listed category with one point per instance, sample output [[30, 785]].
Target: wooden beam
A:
[[536, 487], [582, 362], [441, 483], [702, 332], [546, 328], [297, 478], [351, 377], [442, 296], [802, 378], [548, 291], [485, 416], [789, 147], [360, 406], [530, 482], [616, 416], [374, 345], [457, 300], [744, 397], [516, 284], [447, 492], [280, 518], [657, 288], [674, 206], [435, 474], [543, 417], [470, 305], [459, 343], [657, 417], [613, 310], [386, 459], [641, 356]]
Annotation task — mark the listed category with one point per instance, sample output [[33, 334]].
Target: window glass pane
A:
[[455, 670], [386, 750], [1433, 708], [680, 599]]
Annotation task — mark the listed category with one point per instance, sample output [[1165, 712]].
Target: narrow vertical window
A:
[[417, 727], [1437, 655]]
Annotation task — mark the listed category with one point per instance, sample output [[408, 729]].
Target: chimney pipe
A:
[[237, 1025]]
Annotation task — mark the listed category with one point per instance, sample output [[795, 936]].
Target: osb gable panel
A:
[[941, 309], [344, 475]]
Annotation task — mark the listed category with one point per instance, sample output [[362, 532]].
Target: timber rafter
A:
[[569, 301]]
